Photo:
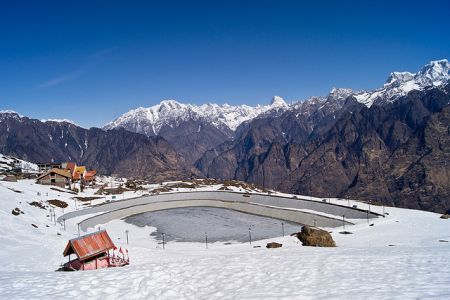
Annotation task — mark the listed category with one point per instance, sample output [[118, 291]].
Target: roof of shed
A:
[[56, 171], [89, 245]]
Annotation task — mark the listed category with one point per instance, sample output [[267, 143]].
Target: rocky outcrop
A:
[[446, 215], [315, 237], [273, 245]]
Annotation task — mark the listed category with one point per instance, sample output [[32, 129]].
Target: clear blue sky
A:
[[90, 61]]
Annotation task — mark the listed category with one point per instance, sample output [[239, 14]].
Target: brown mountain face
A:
[[395, 153], [117, 152], [419, 170], [192, 138]]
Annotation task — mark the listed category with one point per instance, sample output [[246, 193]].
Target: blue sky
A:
[[90, 61]]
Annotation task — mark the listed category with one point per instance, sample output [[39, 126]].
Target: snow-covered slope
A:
[[8, 163], [170, 112], [402, 256], [60, 121]]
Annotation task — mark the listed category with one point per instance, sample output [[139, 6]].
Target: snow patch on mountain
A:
[[59, 121], [5, 114], [171, 113]]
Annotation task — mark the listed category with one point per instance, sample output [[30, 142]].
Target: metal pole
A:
[[282, 228], [163, 236], [206, 240], [250, 235], [64, 221], [126, 232]]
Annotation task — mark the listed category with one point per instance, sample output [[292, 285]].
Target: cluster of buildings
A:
[[65, 174]]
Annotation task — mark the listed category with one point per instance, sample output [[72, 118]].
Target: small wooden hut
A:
[[92, 252]]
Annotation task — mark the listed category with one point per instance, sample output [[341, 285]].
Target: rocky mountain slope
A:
[[116, 152], [339, 146], [191, 129]]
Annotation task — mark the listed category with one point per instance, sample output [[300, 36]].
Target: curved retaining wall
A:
[[257, 204], [278, 201], [256, 209]]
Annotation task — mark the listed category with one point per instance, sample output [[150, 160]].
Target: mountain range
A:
[[389, 145]]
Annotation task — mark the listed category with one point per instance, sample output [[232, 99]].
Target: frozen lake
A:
[[190, 225]]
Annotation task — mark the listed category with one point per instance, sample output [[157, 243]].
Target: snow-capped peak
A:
[[171, 113], [278, 101], [399, 77], [10, 112], [340, 93], [228, 117], [435, 72], [398, 84]]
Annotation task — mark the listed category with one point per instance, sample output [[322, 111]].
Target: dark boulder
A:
[[315, 237], [16, 211]]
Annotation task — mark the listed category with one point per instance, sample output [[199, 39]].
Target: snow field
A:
[[363, 266]]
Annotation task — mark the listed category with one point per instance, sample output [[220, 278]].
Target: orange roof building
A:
[[71, 167], [90, 175], [78, 172]]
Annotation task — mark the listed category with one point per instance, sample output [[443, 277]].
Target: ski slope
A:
[[399, 257]]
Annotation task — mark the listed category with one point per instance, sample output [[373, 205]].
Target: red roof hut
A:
[[92, 251]]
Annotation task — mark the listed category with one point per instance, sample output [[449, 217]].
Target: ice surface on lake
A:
[[190, 225]]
